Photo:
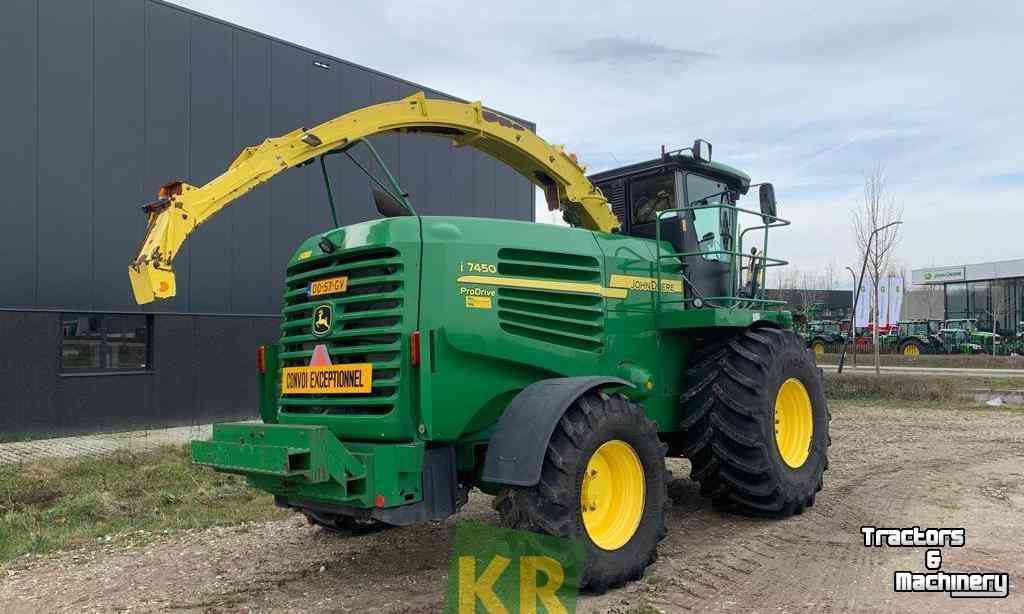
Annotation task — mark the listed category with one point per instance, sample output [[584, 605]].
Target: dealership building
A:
[[107, 100], [990, 292]]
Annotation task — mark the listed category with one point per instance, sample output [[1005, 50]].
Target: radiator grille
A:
[[367, 327]]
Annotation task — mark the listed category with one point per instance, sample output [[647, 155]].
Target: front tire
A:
[[755, 424], [603, 482]]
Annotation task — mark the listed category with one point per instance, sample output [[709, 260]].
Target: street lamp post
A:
[[853, 317], [863, 267]]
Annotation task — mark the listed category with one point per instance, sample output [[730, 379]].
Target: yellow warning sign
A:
[[330, 379]]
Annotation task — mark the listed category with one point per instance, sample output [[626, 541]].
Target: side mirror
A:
[[768, 207], [388, 205], [702, 150]]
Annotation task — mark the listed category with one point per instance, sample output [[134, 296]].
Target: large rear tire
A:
[[912, 348], [603, 482], [819, 345], [755, 424]]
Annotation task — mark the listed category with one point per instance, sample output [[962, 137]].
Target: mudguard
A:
[[515, 453]]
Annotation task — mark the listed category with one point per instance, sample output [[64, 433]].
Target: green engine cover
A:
[[454, 316]]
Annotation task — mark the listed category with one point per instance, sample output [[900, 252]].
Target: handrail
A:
[[771, 221]]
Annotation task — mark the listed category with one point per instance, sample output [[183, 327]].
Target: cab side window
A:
[[650, 195]]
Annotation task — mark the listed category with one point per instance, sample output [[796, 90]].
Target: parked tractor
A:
[[963, 336], [916, 337], [552, 367], [824, 334]]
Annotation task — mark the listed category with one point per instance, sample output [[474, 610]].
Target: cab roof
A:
[[733, 177]]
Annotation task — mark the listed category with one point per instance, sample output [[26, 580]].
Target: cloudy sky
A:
[[806, 96]]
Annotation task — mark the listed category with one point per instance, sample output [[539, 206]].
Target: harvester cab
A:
[[553, 367], [688, 201]]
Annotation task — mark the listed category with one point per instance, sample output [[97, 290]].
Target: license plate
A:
[[329, 379], [331, 285]]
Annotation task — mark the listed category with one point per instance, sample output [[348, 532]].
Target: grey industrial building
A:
[[104, 101]]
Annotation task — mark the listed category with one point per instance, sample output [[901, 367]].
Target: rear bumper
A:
[[309, 462]]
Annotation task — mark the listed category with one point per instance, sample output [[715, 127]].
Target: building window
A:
[[99, 343], [981, 307], [1003, 306], [956, 301]]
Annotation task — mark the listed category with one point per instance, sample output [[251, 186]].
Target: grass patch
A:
[[947, 361], [891, 386], [946, 389], [53, 504]]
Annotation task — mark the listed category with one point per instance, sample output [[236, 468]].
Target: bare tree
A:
[[809, 289], [829, 276], [878, 209]]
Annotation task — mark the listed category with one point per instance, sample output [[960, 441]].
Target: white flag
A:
[[895, 298], [883, 303], [864, 303]]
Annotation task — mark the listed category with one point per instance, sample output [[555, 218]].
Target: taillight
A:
[[261, 359], [414, 348]]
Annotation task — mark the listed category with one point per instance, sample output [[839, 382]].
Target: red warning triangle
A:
[[320, 357]]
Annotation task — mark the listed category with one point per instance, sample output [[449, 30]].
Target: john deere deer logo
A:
[[322, 316]]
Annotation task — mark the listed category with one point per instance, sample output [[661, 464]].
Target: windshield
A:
[[714, 225], [917, 329], [967, 325]]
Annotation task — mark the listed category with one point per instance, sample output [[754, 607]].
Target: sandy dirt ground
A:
[[890, 467]]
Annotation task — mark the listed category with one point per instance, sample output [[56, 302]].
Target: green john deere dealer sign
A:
[[938, 276]]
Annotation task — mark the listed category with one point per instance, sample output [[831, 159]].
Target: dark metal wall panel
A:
[[167, 106], [323, 105], [65, 248], [225, 365], [174, 373], [252, 289], [524, 198], [289, 200], [383, 89], [484, 170], [114, 98], [439, 165], [412, 155], [28, 375], [120, 146], [107, 403], [18, 154], [462, 180], [354, 202], [203, 370], [211, 149], [505, 191]]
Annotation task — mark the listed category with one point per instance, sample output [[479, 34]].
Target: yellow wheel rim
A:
[[911, 350], [794, 423], [612, 495], [819, 348]]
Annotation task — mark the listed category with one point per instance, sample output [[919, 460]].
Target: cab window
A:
[[714, 226], [650, 195]]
